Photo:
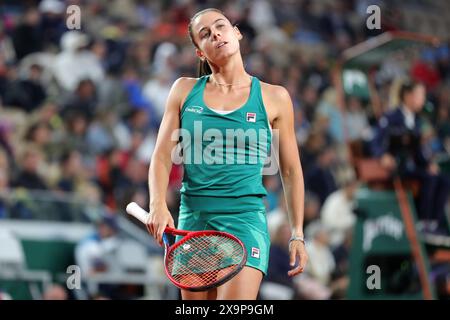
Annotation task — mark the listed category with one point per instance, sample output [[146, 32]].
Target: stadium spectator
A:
[[277, 216], [315, 141], [398, 145], [72, 172], [74, 135], [272, 184], [4, 182], [327, 278], [27, 92], [337, 211], [312, 208], [279, 261], [131, 177], [443, 124], [95, 253], [319, 179], [75, 63], [27, 36], [341, 274], [29, 176], [39, 134], [321, 264], [52, 21], [55, 292], [157, 90], [107, 132], [357, 117], [83, 100]]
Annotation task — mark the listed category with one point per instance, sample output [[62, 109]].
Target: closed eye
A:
[[204, 35]]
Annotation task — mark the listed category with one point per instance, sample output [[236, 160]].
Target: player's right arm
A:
[[161, 161]]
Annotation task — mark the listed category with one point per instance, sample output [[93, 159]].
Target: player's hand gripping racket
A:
[[201, 260]]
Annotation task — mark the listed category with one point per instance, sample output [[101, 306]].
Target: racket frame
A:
[[135, 210]]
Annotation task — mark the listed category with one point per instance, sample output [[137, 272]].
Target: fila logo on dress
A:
[[251, 117]]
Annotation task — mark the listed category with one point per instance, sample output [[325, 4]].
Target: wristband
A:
[[297, 239]]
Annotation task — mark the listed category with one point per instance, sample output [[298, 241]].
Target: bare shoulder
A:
[[185, 82], [274, 90], [181, 88], [276, 98], [183, 85]]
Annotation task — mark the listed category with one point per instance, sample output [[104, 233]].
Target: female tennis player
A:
[[222, 185]]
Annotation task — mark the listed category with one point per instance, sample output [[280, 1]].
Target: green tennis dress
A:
[[223, 157]]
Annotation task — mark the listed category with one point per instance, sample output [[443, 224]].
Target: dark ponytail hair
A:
[[203, 68], [203, 65]]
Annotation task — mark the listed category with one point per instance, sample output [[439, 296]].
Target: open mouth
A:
[[221, 44]]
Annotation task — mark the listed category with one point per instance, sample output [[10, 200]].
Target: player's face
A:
[[215, 37]]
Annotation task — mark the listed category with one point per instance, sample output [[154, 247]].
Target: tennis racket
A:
[[201, 260]]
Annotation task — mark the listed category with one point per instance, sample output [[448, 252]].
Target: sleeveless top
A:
[[223, 154]]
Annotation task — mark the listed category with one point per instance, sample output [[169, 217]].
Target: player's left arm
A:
[[290, 170]]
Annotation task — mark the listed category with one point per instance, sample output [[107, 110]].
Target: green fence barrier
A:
[[380, 240], [53, 256]]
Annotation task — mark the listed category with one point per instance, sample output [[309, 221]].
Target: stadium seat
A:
[[13, 266], [132, 257], [12, 256]]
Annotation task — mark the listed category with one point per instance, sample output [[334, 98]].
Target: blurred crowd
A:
[[80, 109]]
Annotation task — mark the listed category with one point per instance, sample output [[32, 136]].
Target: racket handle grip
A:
[[136, 211]]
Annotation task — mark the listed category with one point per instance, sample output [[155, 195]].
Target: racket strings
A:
[[203, 260]]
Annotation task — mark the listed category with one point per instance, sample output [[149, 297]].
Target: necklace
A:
[[230, 84]]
